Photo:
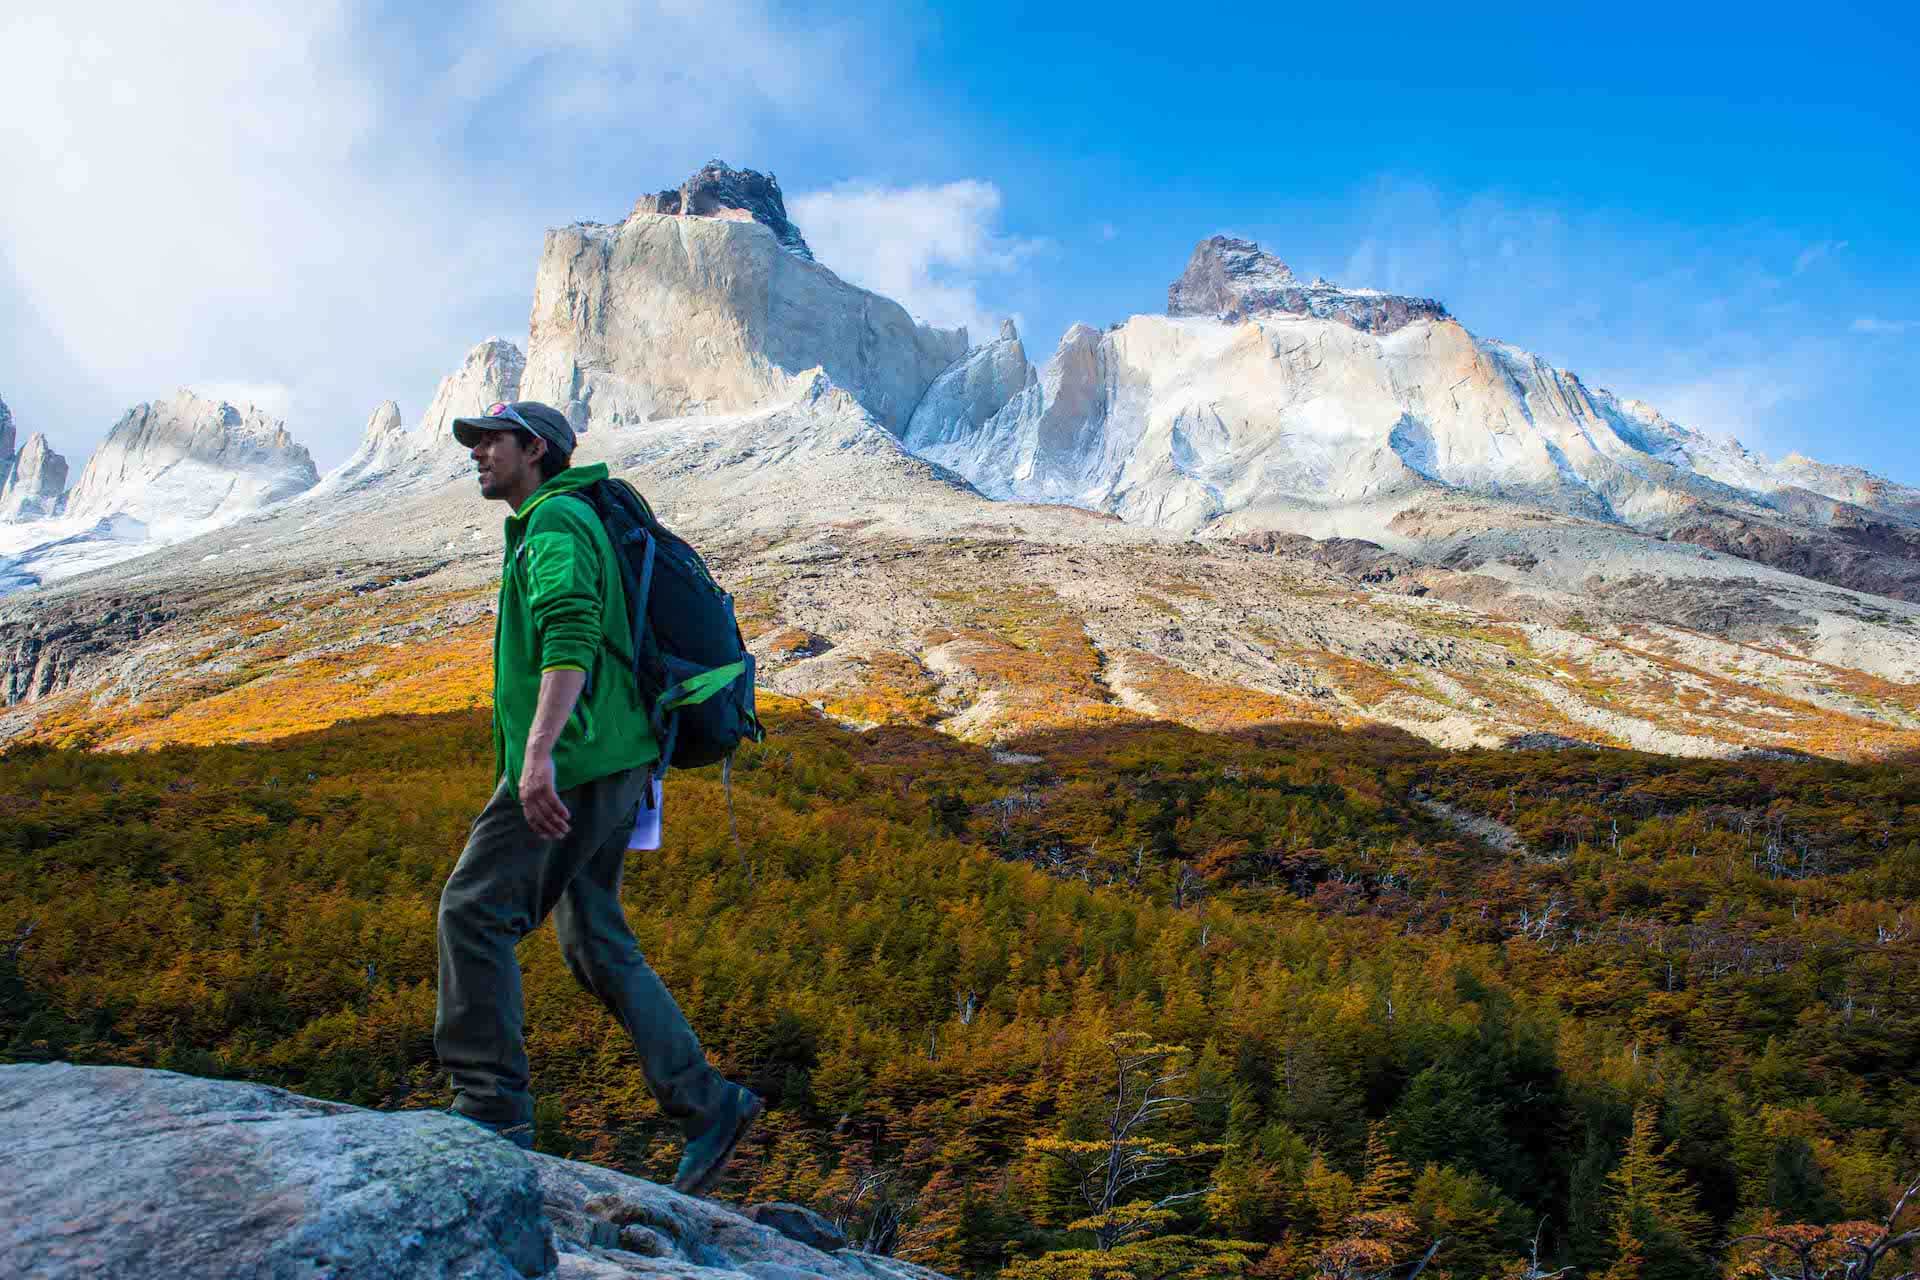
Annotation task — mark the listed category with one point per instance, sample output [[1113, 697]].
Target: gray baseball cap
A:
[[542, 420]]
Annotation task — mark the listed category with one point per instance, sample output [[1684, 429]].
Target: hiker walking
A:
[[574, 750]]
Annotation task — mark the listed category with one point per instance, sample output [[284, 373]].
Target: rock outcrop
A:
[[6, 441], [191, 462], [396, 456], [967, 395], [1236, 280], [36, 484], [665, 316], [718, 190], [148, 1174]]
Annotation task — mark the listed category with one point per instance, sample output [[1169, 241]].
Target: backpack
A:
[[691, 665]]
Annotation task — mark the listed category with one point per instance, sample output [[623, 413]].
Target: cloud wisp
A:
[[322, 205], [933, 249]]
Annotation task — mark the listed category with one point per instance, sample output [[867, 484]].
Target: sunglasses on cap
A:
[[504, 410]]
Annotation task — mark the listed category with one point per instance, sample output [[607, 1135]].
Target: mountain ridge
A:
[[967, 539]]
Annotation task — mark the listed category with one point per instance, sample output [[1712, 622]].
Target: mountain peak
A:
[[1237, 280], [192, 459], [718, 190]]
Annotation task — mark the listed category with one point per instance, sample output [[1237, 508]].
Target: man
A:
[[572, 756]]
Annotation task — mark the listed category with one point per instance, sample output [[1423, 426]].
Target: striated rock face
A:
[[962, 399], [233, 1179], [720, 191], [191, 461], [1236, 280], [36, 486], [665, 316]]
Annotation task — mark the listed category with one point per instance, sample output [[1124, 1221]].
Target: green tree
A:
[[1658, 1229]]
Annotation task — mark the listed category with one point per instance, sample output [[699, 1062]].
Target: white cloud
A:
[[337, 199], [1874, 324], [1814, 252], [929, 248], [273, 398], [1732, 402]]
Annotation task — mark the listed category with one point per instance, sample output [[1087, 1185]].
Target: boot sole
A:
[[711, 1174]]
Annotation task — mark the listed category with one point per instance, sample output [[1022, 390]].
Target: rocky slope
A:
[[135, 1174]]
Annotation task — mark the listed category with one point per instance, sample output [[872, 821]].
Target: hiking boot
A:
[[520, 1135], [707, 1155]]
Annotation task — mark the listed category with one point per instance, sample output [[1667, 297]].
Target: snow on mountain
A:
[[190, 463], [169, 470], [1260, 403]]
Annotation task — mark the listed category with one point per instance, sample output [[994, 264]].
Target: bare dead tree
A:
[[1842, 1251], [1108, 1169]]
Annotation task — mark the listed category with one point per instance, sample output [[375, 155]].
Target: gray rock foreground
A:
[[116, 1171]]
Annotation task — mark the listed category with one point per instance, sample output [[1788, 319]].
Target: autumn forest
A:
[[1122, 1001]]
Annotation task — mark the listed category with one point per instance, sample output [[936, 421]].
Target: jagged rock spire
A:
[[1237, 280], [718, 190]]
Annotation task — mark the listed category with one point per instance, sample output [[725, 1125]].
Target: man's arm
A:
[[559, 690]]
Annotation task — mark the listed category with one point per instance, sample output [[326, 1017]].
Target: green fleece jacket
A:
[[562, 607]]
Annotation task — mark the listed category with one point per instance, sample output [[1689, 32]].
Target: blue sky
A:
[[1710, 207]]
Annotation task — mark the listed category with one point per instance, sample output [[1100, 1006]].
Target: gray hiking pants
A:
[[507, 881]]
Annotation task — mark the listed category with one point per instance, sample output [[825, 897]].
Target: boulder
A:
[[797, 1222], [150, 1175]]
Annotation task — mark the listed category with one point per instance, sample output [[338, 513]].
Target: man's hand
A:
[[539, 800], [559, 690]]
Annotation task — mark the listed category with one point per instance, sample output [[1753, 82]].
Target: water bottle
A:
[[646, 828]]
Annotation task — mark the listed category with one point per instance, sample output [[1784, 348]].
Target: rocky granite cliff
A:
[[1262, 404], [191, 461], [718, 190], [149, 1175], [397, 456], [666, 315], [6, 441], [1236, 280], [36, 483]]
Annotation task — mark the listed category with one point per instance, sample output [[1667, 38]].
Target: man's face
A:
[[506, 460]]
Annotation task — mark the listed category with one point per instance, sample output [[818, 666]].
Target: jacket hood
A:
[[571, 480]]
